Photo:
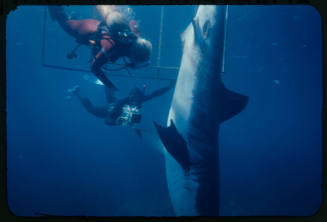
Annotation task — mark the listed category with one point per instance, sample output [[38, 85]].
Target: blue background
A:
[[64, 161]]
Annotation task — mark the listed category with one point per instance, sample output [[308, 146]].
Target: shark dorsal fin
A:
[[233, 104], [174, 144]]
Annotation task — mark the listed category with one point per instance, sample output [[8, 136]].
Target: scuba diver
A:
[[113, 38], [122, 112]]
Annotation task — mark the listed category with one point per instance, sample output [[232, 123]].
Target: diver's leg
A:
[[98, 111], [100, 75], [76, 28], [57, 13], [99, 60]]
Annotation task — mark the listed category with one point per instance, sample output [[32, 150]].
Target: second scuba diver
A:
[[122, 112], [116, 37]]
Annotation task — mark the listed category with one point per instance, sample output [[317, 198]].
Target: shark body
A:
[[200, 104]]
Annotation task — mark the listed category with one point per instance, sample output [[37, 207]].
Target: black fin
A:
[[57, 13], [233, 104], [174, 144]]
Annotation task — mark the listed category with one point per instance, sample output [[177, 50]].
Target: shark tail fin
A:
[[234, 103], [174, 144]]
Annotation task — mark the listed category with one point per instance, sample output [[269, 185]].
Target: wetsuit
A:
[[113, 109], [86, 32]]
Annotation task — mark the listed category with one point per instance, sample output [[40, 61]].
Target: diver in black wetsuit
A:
[[125, 111]]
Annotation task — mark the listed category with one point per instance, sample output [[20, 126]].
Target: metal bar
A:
[[43, 37], [66, 68], [160, 36], [110, 74], [165, 67], [89, 71], [225, 38], [160, 39]]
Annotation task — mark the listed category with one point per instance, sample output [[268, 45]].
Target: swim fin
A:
[[57, 13]]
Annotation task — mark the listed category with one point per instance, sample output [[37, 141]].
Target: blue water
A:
[[64, 161]]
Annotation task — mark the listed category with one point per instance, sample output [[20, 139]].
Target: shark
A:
[[200, 104]]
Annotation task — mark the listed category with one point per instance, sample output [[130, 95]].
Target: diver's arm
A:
[[98, 111], [156, 93]]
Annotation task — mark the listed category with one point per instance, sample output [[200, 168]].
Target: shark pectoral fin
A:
[[233, 104], [174, 144]]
